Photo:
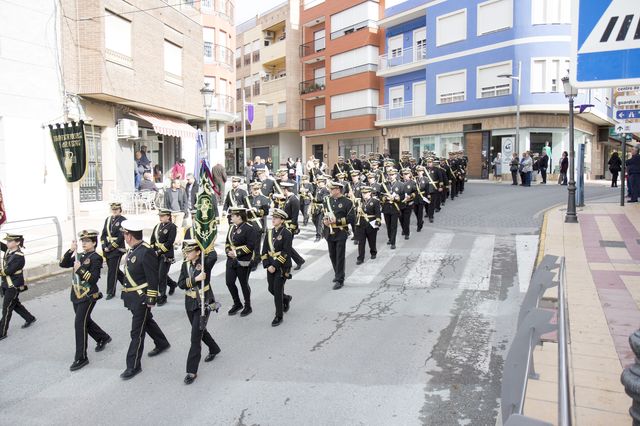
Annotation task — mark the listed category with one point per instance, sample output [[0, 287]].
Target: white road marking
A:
[[526, 248], [423, 271], [477, 271]]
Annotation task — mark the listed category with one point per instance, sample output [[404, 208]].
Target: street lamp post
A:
[[570, 93], [207, 98], [517, 78]]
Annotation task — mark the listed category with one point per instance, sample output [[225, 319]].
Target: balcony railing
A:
[[354, 70], [216, 53], [223, 103], [402, 57], [369, 23], [312, 123], [311, 86], [400, 110], [311, 47], [370, 110], [221, 8]]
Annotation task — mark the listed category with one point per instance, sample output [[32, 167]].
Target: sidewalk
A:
[[602, 255]]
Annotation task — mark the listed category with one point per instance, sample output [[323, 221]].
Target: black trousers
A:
[[454, 189], [142, 323], [436, 199], [84, 326], [444, 195], [163, 276], [258, 248], [614, 179], [295, 256], [543, 172], [276, 287], [305, 212], [391, 220], [198, 336], [431, 207], [366, 234], [337, 251], [11, 303], [418, 209], [634, 187], [405, 219], [514, 177], [114, 273], [317, 221], [241, 273], [460, 186]]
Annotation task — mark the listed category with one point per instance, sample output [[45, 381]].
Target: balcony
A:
[[369, 110], [400, 111], [355, 70], [312, 123], [222, 109], [311, 47], [311, 86], [273, 54], [218, 54], [402, 61], [220, 8], [369, 23], [274, 85]]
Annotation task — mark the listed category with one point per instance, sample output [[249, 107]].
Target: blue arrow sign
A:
[[606, 43], [628, 114]]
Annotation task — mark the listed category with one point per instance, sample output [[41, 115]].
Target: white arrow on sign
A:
[[628, 100]]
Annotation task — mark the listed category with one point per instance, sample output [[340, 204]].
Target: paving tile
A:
[[591, 349], [597, 380], [615, 402], [591, 417], [541, 410], [541, 390], [592, 363]]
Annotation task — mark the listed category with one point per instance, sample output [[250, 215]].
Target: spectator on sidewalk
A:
[[527, 168], [523, 176], [299, 171], [219, 179], [147, 184], [514, 166], [144, 159], [291, 168], [258, 164], [564, 166], [543, 165], [138, 169], [310, 163], [615, 165], [248, 172], [535, 166], [269, 164], [178, 171], [157, 173], [497, 167], [191, 191], [633, 170], [175, 199], [547, 149]]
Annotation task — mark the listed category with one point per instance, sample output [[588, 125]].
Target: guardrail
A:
[[24, 226], [533, 322]]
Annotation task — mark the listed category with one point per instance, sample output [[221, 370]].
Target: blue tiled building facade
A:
[[446, 84]]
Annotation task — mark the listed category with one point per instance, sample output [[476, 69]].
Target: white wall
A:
[[29, 172]]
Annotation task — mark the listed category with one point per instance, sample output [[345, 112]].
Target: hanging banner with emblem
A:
[[205, 221], [69, 144]]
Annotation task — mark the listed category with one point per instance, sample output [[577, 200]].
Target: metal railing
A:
[[216, 53], [223, 103], [311, 47], [369, 23], [312, 123], [354, 70], [369, 110], [314, 85], [402, 56], [564, 404], [30, 227], [400, 111]]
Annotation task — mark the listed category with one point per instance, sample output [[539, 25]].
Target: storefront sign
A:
[[69, 145]]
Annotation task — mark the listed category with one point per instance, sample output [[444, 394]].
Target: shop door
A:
[[394, 148], [473, 150], [318, 151], [262, 152]]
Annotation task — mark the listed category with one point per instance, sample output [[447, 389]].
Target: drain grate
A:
[[606, 243]]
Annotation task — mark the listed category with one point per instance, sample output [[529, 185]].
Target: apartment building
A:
[[445, 84], [219, 35], [267, 75], [133, 71], [340, 90]]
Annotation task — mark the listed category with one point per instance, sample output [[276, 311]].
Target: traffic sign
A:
[[628, 114], [627, 128], [606, 43]]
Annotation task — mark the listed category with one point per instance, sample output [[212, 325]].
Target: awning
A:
[[167, 125]]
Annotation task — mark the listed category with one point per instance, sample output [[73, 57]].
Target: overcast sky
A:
[[247, 9]]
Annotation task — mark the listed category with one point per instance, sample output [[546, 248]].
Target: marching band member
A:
[[338, 215], [113, 248], [162, 238], [241, 241], [367, 223]]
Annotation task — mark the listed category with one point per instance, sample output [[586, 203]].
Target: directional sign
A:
[[606, 43], [628, 114], [628, 128], [624, 89], [628, 101]]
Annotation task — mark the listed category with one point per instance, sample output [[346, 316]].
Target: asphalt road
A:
[[417, 336]]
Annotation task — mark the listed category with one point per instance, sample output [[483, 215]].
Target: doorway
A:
[[394, 148], [262, 152], [318, 151], [473, 150]]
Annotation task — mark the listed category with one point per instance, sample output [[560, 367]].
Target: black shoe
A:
[[373, 256], [393, 246], [78, 364], [430, 220], [28, 323], [109, 296], [437, 210], [316, 240], [338, 285], [419, 229], [3, 337], [211, 356], [359, 262], [190, 378], [246, 311], [254, 268], [353, 238], [388, 243], [157, 351], [335, 280], [129, 373], [287, 303], [406, 237], [299, 265], [355, 243], [235, 309], [161, 300], [276, 321], [172, 289], [102, 343]]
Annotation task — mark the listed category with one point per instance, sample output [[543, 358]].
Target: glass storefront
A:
[[360, 145], [440, 144]]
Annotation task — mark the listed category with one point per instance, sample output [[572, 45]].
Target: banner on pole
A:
[[69, 144], [205, 222], [250, 113]]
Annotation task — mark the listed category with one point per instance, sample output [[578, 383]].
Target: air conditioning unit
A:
[[127, 129], [269, 35]]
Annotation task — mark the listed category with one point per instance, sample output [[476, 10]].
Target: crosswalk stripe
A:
[[526, 247], [424, 270], [477, 271]]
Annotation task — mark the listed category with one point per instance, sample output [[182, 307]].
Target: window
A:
[[489, 84], [550, 12], [247, 53], [362, 102], [354, 61], [207, 6], [451, 87], [451, 27], [91, 182], [238, 89], [172, 59], [247, 86], [420, 44], [256, 84], [282, 114], [117, 34], [208, 34], [238, 57], [268, 116], [547, 73], [396, 97], [353, 19], [395, 46], [495, 15], [256, 51]]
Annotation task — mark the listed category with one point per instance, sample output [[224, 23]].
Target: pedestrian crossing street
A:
[[434, 258]]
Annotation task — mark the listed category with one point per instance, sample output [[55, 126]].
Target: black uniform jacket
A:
[[162, 239], [11, 268], [85, 283], [370, 210], [292, 208], [186, 281], [345, 215], [243, 238], [140, 276], [276, 249], [112, 237], [392, 195]]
